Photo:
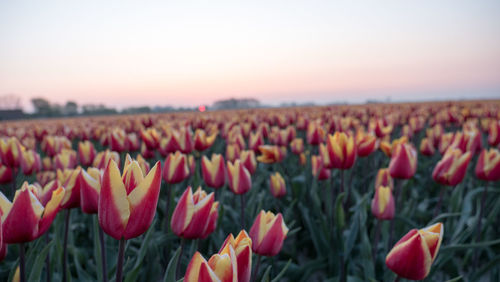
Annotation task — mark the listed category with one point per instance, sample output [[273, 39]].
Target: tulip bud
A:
[[268, 233], [488, 165], [247, 158], [413, 255], [118, 140], [382, 128], [383, 203], [318, 169], [426, 147], [365, 144], [232, 152], [86, 153], [176, 168], [45, 177], [388, 148], [494, 133], [297, 146], [239, 178], [277, 185], [90, 187], [30, 162], [213, 171], [151, 138], [341, 150], [195, 215], [255, 141], [125, 213], [47, 164], [451, 169], [10, 152], [315, 133], [68, 178], [66, 159], [403, 163], [102, 159], [202, 141], [384, 178]]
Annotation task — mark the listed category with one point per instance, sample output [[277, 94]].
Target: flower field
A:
[[376, 192]]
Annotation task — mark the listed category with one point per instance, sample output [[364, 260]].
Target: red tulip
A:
[[68, 178], [213, 171], [341, 150], [176, 168], [403, 163], [488, 165], [383, 203], [239, 177], [86, 153], [426, 147], [365, 144], [90, 187], [268, 233], [5, 174], [10, 152], [202, 141], [151, 138], [247, 158], [451, 169]]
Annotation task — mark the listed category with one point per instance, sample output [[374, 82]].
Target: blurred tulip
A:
[[388, 148], [366, 144], [383, 203], [45, 177], [195, 215], [147, 153], [68, 178], [488, 165], [247, 158], [239, 177], [118, 140], [297, 146], [403, 163], [315, 133], [382, 128], [102, 159], [302, 159], [426, 147], [413, 255], [191, 164], [10, 152], [5, 174], [277, 185], [384, 178], [341, 150], [47, 164], [66, 159], [451, 169], [176, 168], [444, 142], [86, 153], [270, 154], [127, 204], [494, 133], [26, 219], [202, 141], [318, 170], [213, 171], [255, 141], [90, 187], [151, 138], [268, 233], [30, 162]]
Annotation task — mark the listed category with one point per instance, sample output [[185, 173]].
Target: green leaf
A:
[[282, 272], [469, 246], [339, 211], [458, 278], [265, 276], [36, 268], [170, 272]]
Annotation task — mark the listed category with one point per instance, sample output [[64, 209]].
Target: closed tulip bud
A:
[[247, 158], [132, 142], [30, 162], [26, 219], [202, 141], [5, 174], [383, 203], [277, 185], [169, 144], [239, 178], [151, 138], [90, 187], [488, 165], [268, 233], [102, 159], [413, 255], [127, 206], [255, 141], [451, 169], [297, 146], [318, 169], [232, 152], [213, 171], [176, 168], [270, 154], [315, 133], [86, 153], [65, 160], [494, 133], [384, 178], [365, 144], [403, 163], [426, 147], [68, 178], [242, 246], [341, 150], [10, 152], [195, 215], [118, 140]]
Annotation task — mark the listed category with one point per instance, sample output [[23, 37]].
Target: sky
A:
[[134, 53]]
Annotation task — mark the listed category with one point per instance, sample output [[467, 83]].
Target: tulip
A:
[[176, 168], [426, 147], [388, 148], [102, 159], [444, 142], [494, 133], [268, 233], [86, 153], [277, 185], [143, 164], [65, 160], [151, 138], [297, 146], [147, 153], [384, 178], [383, 203], [10, 152], [202, 141], [413, 255], [365, 144], [118, 140], [232, 152], [191, 164], [341, 150], [247, 158], [45, 177], [68, 178], [403, 163], [239, 177], [213, 171], [195, 215], [222, 266], [90, 186], [488, 165], [30, 162], [318, 169], [382, 128], [47, 164], [270, 154], [451, 169], [242, 246], [315, 133], [5, 174], [255, 141]]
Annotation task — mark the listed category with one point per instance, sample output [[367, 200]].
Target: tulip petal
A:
[[51, 210]]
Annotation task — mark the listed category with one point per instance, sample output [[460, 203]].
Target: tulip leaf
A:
[[282, 272], [265, 276], [469, 246], [458, 278], [132, 275], [170, 272], [39, 263]]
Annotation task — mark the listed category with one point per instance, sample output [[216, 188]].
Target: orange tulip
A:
[[213, 171], [268, 233], [270, 154], [176, 168], [277, 185], [488, 165], [383, 203], [195, 215], [239, 177], [86, 153], [451, 169], [403, 163], [413, 255], [341, 150]]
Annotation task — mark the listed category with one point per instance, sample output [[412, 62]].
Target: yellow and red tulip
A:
[[255, 141], [151, 138], [318, 169], [118, 140], [403, 163], [451, 169], [5, 174], [47, 164], [176, 168], [10, 152], [297, 146], [247, 158], [90, 187], [383, 203], [68, 178], [102, 159], [365, 144], [127, 204], [413, 255], [30, 162], [277, 185], [239, 177], [268, 233], [45, 177], [213, 171], [66, 159], [388, 148], [382, 128], [26, 219], [270, 154], [384, 178], [202, 141], [232, 152], [222, 266], [427, 147], [494, 133], [315, 133], [86, 153], [195, 215], [242, 246], [488, 165], [341, 150]]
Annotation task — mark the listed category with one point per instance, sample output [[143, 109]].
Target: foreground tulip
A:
[[403, 163], [341, 150], [195, 215], [213, 171], [86, 153], [127, 204], [242, 246], [268, 233], [176, 168], [277, 185], [413, 255], [451, 169], [488, 165], [383, 203]]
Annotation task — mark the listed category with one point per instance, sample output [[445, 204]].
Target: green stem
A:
[[119, 264], [103, 256], [256, 269], [242, 197], [178, 266], [65, 246], [22, 268]]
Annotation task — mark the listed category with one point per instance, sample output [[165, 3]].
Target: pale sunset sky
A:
[[132, 53]]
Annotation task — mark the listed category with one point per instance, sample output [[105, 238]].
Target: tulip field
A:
[[375, 192]]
